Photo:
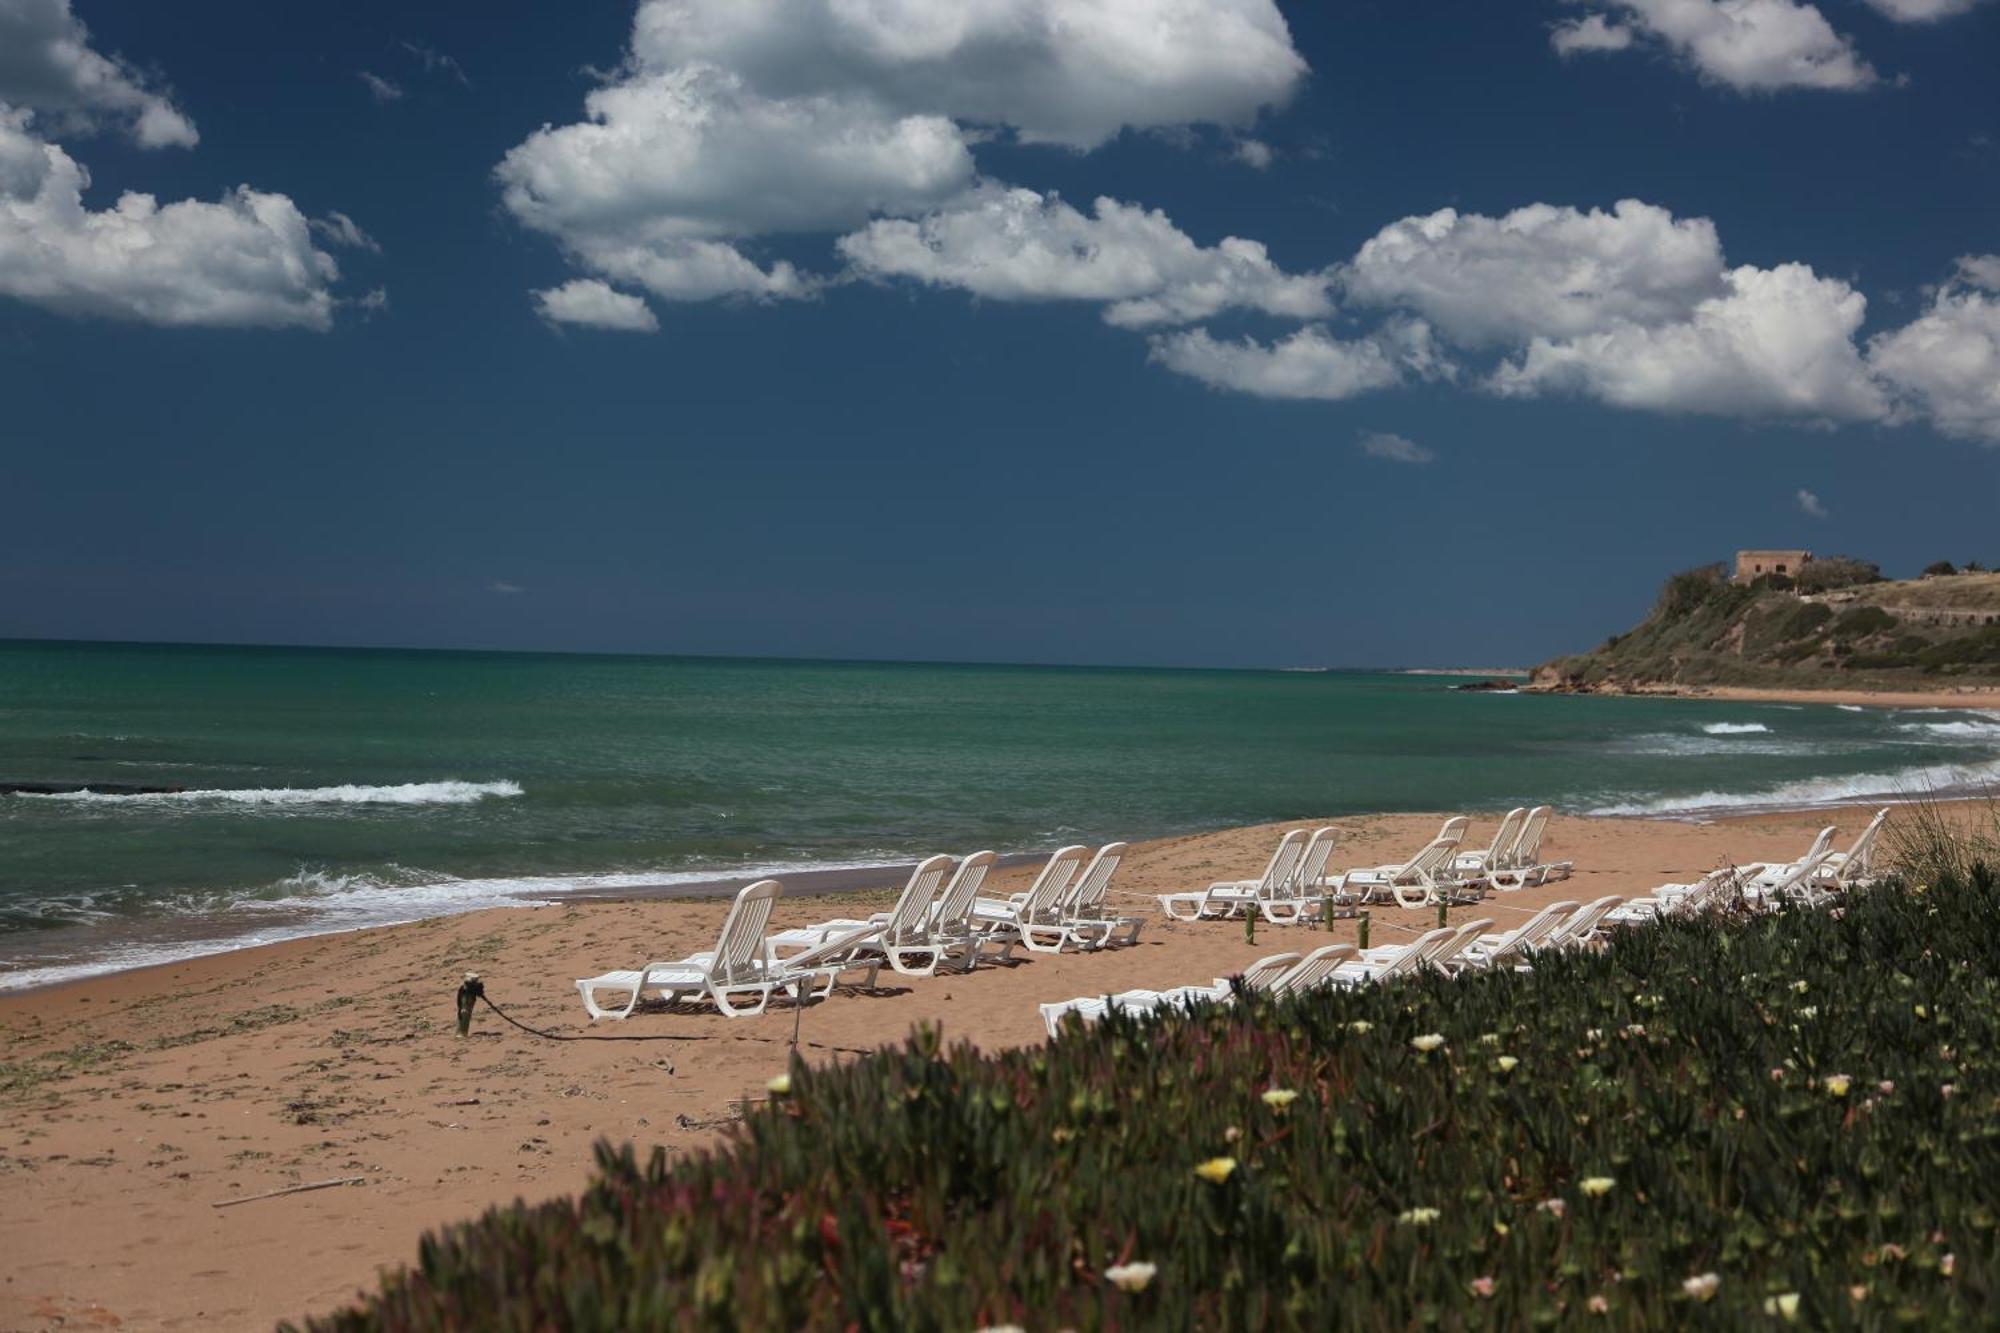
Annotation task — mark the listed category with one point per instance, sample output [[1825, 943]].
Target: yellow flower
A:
[[1279, 1098], [1596, 1185], [1837, 1085], [1429, 1042], [1216, 1170], [1418, 1217], [1132, 1276], [1360, 1027], [1703, 1286], [1785, 1306], [780, 1086], [1506, 1063]]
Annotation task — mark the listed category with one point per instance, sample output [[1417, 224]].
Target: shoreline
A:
[[1984, 697], [132, 1102]]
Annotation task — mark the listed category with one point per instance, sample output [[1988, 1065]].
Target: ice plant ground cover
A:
[[1793, 1119]]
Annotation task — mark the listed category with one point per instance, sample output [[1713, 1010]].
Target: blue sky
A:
[[807, 334]]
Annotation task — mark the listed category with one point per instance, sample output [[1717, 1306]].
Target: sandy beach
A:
[[1958, 696], [131, 1104]]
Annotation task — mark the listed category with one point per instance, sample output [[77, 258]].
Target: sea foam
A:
[[1735, 728], [405, 793]]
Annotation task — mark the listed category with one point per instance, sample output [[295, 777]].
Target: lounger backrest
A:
[[1500, 852], [1312, 863], [1527, 849], [1803, 870], [1583, 924], [739, 949], [1426, 864], [1086, 896], [1048, 887], [1414, 954], [954, 907], [910, 918], [1860, 859], [1312, 970], [1529, 934], [1284, 864], [1459, 941], [1265, 973]]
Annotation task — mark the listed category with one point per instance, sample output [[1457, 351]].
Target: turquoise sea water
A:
[[328, 788]]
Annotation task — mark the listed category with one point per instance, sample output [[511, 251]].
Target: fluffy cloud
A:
[[1947, 361], [1591, 33], [1810, 504], [1921, 11], [247, 260], [1017, 245], [1539, 271], [1394, 448], [1980, 271], [1310, 363], [734, 119], [1778, 342], [47, 66], [1751, 46], [595, 305], [1071, 72]]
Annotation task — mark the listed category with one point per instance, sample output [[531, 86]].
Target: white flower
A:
[[1429, 1042], [1596, 1185], [1799, 986], [1489, 1039], [1131, 1277], [1703, 1286], [1418, 1217], [1837, 1085], [1279, 1098], [1810, 1012], [1506, 1063], [1785, 1306], [779, 1086], [1360, 1027]]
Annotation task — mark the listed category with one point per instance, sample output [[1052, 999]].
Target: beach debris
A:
[[470, 992], [292, 1189]]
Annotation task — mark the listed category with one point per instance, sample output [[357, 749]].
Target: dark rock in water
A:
[[1494, 686], [70, 788]]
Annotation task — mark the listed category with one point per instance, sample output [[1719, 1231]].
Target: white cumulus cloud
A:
[[1018, 245], [1751, 46], [595, 305], [47, 66], [1778, 342], [1946, 362], [1810, 505], [1309, 363], [731, 120], [1541, 270], [245, 260]]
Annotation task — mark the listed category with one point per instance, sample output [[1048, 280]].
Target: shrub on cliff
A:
[[1832, 572], [1717, 1125]]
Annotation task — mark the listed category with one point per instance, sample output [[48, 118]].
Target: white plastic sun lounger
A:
[[1034, 918], [952, 924], [1083, 904], [739, 974], [1292, 901], [1712, 890], [1511, 948], [905, 936], [1580, 928], [1855, 867], [1523, 863], [1229, 897], [1392, 961], [1280, 974], [1766, 885], [1498, 855], [1424, 878]]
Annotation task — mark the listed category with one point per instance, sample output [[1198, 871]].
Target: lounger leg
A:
[[720, 994]]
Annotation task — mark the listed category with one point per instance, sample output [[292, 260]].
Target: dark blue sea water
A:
[[325, 789]]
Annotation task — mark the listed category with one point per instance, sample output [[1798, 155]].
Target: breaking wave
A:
[[1813, 793], [1735, 728], [406, 793]]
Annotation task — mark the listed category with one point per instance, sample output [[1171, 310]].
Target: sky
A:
[[1160, 332]]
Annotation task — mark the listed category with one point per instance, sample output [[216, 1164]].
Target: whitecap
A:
[[1735, 728], [406, 793], [1812, 793]]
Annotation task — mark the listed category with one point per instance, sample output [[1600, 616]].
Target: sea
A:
[[315, 790]]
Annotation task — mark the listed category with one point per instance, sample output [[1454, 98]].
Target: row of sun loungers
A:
[[1296, 885], [938, 921]]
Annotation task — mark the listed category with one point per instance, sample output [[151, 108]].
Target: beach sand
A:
[[1957, 696], [130, 1104]]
